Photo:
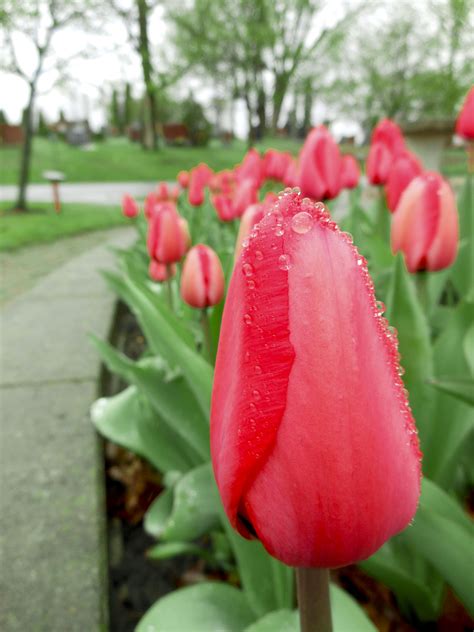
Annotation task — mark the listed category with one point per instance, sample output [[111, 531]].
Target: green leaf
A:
[[174, 549], [205, 607], [278, 621], [468, 346], [127, 419], [165, 342], [452, 420], [404, 312], [191, 510], [460, 388], [346, 615], [462, 272], [169, 396], [446, 540]]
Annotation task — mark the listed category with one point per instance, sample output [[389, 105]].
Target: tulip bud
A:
[[252, 216], [167, 240], [129, 206], [313, 444], [292, 176], [275, 164], [386, 145], [202, 278], [160, 272], [150, 202], [198, 180], [425, 224], [406, 167], [350, 172], [465, 122], [245, 195], [224, 207], [320, 165], [183, 179], [251, 168]]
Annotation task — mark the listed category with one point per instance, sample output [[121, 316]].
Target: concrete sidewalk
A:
[[85, 192], [52, 544]]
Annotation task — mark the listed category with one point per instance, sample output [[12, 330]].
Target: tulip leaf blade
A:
[[462, 272], [166, 550], [205, 607], [405, 313], [446, 540], [169, 395], [128, 420], [188, 510], [460, 388]]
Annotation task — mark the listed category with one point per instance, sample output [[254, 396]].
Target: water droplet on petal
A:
[[284, 262], [258, 369], [258, 255], [279, 231], [251, 284], [302, 223], [256, 395], [247, 269], [247, 319]]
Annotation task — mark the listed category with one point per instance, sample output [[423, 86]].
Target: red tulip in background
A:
[[251, 217], [386, 144], [313, 443], [292, 176], [350, 172], [183, 179], [275, 164], [224, 207], [165, 193], [425, 224], [160, 272], [199, 179], [167, 239], [251, 168], [320, 165], [404, 169], [202, 279], [129, 206], [465, 121]]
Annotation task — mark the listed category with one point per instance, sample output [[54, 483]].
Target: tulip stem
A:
[[169, 287], [313, 599], [206, 330]]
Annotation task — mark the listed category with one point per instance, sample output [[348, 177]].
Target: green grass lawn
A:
[[118, 160], [42, 224]]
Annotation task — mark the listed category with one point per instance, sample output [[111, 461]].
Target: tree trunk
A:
[[150, 136], [281, 85], [26, 152], [262, 111], [308, 106]]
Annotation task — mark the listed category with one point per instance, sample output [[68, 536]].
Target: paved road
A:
[[86, 192]]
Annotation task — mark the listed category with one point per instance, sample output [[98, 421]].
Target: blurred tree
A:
[[406, 62], [3, 118], [42, 128], [255, 48], [192, 115], [116, 113], [37, 21], [128, 106]]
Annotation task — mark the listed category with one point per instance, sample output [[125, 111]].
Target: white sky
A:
[[89, 93]]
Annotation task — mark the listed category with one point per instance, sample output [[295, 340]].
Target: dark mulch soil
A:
[[136, 582]]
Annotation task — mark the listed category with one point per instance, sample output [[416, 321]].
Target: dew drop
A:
[[256, 395], [349, 238], [258, 369], [252, 407], [296, 190], [251, 284], [284, 262], [279, 231], [380, 307], [247, 269], [302, 223], [247, 319], [245, 243], [258, 255]]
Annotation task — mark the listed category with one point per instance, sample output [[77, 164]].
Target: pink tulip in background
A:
[[167, 239], [307, 400], [350, 172], [425, 225], [202, 279], [405, 168], [386, 145], [320, 165], [161, 272], [129, 206]]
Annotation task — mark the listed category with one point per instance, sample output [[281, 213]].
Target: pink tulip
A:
[[425, 224], [386, 145], [183, 179], [313, 443], [404, 169], [202, 279], [251, 168], [129, 206], [275, 164], [167, 240], [350, 172], [320, 165], [224, 206], [199, 178], [161, 272]]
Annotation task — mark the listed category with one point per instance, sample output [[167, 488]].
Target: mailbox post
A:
[[55, 177]]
